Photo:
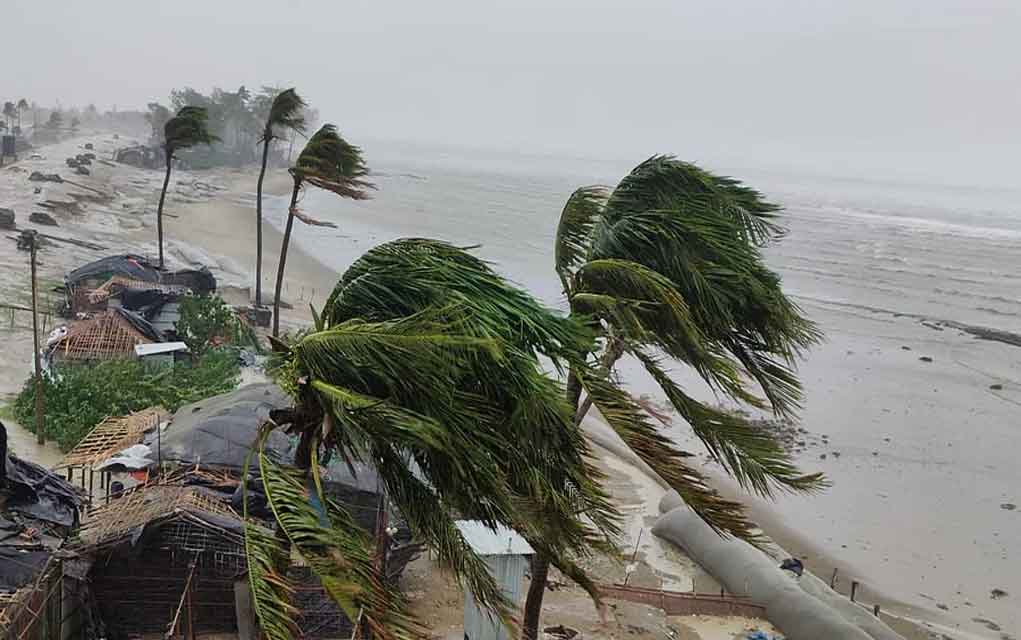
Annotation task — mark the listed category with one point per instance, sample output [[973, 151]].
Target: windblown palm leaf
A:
[[330, 162], [341, 554], [427, 363], [668, 265], [286, 112], [188, 128]]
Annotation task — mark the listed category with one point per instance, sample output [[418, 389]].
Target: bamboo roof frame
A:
[[112, 435], [106, 336], [144, 505]]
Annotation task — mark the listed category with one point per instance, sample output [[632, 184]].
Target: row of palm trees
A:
[[12, 111], [430, 366]]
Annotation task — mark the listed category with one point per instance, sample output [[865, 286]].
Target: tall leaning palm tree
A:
[[327, 162], [285, 114], [426, 363], [188, 128], [666, 268]]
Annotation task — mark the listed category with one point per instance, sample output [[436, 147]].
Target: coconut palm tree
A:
[[666, 268], [426, 363], [285, 114], [187, 129], [327, 162]]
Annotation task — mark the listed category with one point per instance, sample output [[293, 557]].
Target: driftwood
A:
[[84, 244]]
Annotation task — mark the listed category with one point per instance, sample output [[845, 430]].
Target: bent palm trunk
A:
[[258, 225], [159, 209], [283, 258]]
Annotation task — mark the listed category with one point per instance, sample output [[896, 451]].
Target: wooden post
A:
[[833, 580], [875, 610], [40, 422], [854, 589]]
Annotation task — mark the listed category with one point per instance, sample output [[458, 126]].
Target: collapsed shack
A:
[[38, 509], [111, 335], [89, 288], [177, 536]]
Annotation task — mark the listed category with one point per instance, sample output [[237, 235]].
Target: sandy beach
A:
[[211, 222]]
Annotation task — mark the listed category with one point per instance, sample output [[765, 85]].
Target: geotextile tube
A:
[[802, 608]]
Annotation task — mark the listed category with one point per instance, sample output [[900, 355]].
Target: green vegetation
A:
[[81, 396], [666, 268], [207, 322]]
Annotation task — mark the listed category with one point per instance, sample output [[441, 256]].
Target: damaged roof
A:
[[136, 267]]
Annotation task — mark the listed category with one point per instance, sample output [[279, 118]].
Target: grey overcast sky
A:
[[915, 88]]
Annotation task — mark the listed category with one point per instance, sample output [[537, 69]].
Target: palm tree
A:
[[666, 267], [427, 363], [22, 106], [328, 162], [187, 129], [285, 113]]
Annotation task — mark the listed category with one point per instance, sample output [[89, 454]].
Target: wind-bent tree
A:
[[285, 114], [187, 129], [425, 363], [666, 268], [327, 162]]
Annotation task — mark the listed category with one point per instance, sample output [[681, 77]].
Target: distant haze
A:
[[929, 89]]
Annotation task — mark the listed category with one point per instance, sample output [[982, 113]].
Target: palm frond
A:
[[663, 182], [574, 231], [341, 554], [748, 453], [188, 128], [285, 113], [330, 162], [625, 417], [272, 592]]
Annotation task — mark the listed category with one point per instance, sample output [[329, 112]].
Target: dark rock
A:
[[996, 594], [836, 454], [82, 171], [88, 145], [925, 359], [39, 217], [1008, 506], [996, 387], [822, 456], [943, 607], [6, 218], [905, 347]]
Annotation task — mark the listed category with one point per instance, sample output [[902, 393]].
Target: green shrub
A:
[[81, 396], [207, 321]]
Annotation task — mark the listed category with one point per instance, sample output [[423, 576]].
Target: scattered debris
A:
[[82, 171], [88, 145], [38, 176], [39, 217], [989, 624], [6, 218], [905, 347], [996, 594], [560, 632], [996, 387], [943, 607], [793, 565], [925, 359], [1008, 506]]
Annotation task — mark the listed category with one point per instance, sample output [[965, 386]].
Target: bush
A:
[[207, 321], [81, 396]]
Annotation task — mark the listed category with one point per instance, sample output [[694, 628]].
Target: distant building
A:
[[506, 555]]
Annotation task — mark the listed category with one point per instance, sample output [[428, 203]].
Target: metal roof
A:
[[142, 350], [488, 542]]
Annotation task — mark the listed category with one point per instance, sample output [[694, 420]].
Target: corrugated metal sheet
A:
[[488, 542], [506, 554], [478, 623]]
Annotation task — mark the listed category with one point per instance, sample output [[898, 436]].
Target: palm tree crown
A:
[[426, 363], [666, 266], [190, 127]]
